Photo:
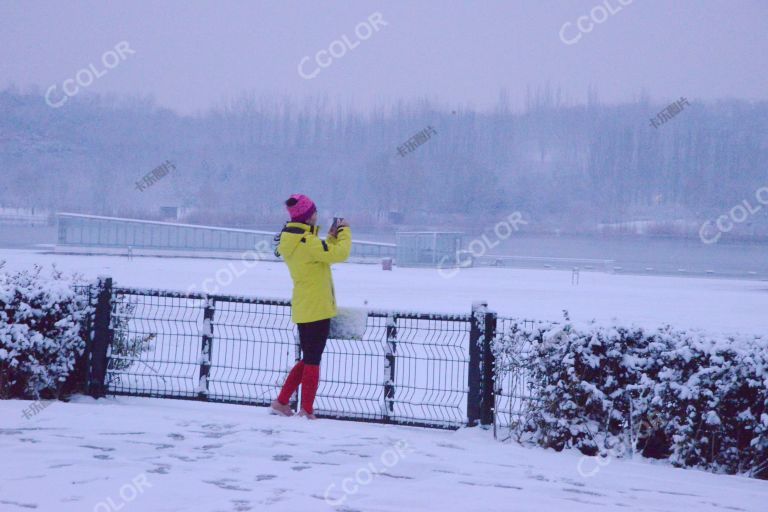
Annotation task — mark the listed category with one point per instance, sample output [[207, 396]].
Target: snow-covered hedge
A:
[[698, 401], [41, 331]]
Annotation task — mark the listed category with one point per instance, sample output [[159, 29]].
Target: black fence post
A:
[[206, 349], [488, 382], [294, 401], [474, 374], [102, 339], [389, 366]]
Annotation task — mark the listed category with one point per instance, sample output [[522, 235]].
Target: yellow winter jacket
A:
[[309, 261]]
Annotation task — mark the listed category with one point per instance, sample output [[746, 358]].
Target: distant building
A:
[[169, 212], [428, 248], [91, 234], [24, 216]]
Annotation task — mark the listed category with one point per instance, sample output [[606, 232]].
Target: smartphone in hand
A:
[[336, 225]]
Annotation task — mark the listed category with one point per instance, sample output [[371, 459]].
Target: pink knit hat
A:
[[300, 207]]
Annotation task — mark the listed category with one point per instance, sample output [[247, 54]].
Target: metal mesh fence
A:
[[407, 368], [513, 393], [156, 344]]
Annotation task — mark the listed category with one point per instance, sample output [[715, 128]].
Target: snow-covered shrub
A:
[[666, 393], [713, 394], [41, 331]]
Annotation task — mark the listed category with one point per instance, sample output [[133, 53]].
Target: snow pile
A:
[[674, 394], [349, 324], [41, 332]]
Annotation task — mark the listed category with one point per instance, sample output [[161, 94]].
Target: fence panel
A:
[[513, 395], [352, 376], [431, 363], [408, 368], [156, 344], [254, 346]]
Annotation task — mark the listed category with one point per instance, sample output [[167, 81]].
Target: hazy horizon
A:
[[193, 56]]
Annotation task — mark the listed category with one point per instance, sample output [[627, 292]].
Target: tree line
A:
[[565, 165]]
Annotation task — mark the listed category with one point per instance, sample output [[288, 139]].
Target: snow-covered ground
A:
[[715, 305], [163, 455]]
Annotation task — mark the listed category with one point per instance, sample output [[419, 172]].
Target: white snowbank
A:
[[685, 302]]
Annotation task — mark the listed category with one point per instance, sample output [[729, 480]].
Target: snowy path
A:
[[83, 455]]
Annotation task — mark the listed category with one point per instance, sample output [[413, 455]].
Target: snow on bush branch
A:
[[680, 395], [41, 327]]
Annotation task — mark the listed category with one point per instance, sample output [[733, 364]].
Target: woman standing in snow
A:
[[313, 303]]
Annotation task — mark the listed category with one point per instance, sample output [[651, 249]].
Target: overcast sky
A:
[[192, 55]]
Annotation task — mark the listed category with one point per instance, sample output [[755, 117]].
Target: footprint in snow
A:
[[260, 478], [673, 493], [241, 505], [581, 491], [449, 445], [585, 502], [401, 477], [281, 457], [182, 457], [20, 505], [726, 507], [161, 469], [159, 446], [498, 486], [100, 448], [227, 484], [206, 447], [215, 434]]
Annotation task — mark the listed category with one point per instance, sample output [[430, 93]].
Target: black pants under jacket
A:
[[312, 338]]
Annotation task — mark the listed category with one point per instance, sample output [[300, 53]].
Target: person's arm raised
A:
[[334, 252]]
